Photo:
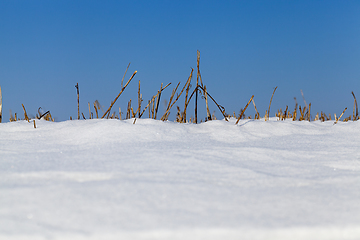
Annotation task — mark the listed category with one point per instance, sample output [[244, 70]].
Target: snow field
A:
[[112, 179]]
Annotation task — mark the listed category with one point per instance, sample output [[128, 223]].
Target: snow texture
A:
[[111, 179]]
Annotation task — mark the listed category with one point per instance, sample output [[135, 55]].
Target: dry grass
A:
[[300, 113]]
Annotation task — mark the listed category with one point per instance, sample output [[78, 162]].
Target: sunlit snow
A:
[[111, 179]]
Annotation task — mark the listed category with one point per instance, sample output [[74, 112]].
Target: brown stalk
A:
[[89, 110], [177, 98], [242, 112], [221, 108], [207, 105], [132, 113], [34, 124], [122, 89], [158, 101], [302, 113], [139, 101], [337, 119], [78, 99], [295, 110], [122, 80], [96, 111], [197, 84], [152, 99], [257, 115], [25, 114], [285, 113], [316, 117], [309, 112], [187, 94], [268, 112], [355, 116], [128, 110], [153, 106]]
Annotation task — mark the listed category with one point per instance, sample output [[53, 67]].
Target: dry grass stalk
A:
[[120, 113], [187, 94], [355, 114], [78, 99], [285, 113], [158, 101], [133, 114], [177, 98], [316, 117], [257, 115], [221, 108], [25, 114], [268, 112], [308, 113], [139, 101], [197, 84], [279, 114], [302, 113], [122, 80], [337, 119], [34, 123], [96, 111], [207, 105], [83, 116], [178, 115], [295, 111], [128, 116], [89, 110], [153, 106], [151, 101], [122, 90], [242, 112]]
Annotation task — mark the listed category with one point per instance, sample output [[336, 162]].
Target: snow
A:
[[111, 179]]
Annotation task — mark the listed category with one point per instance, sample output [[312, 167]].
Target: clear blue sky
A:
[[247, 47]]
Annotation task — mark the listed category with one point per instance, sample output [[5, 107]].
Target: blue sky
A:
[[247, 48]]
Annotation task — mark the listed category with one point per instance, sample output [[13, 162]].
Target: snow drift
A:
[[111, 179]]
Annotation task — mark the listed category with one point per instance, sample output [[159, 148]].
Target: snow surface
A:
[[111, 179]]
